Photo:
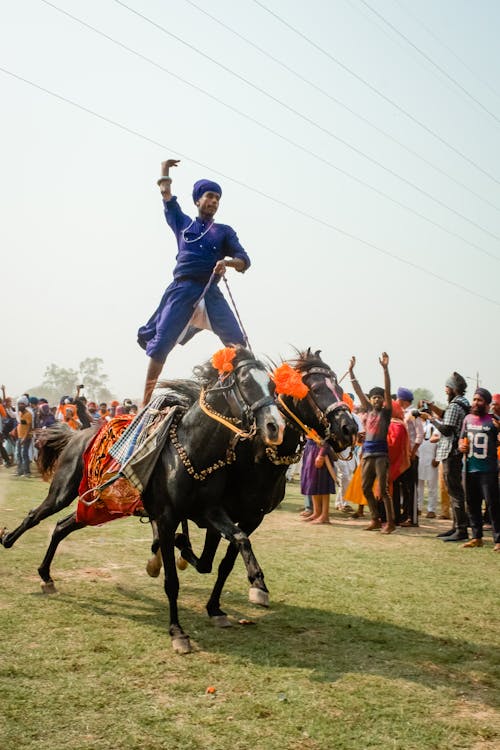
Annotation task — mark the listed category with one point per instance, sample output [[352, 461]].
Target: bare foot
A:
[[388, 528], [310, 518], [322, 520], [374, 524]]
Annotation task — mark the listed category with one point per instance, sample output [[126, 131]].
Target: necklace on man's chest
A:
[[196, 239]]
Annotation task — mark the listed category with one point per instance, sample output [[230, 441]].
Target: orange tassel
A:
[[348, 400], [289, 382], [223, 359]]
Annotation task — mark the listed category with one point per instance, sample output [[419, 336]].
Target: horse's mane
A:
[[207, 375], [307, 359], [181, 392], [186, 391]]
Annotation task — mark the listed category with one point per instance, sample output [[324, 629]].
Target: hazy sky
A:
[[348, 256]]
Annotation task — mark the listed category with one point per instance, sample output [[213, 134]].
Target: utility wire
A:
[[275, 133], [334, 99], [306, 119], [447, 48], [431, 61], [376, 91], [253, 189]]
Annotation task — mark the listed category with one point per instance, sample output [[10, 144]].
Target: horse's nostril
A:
[[272, 428]]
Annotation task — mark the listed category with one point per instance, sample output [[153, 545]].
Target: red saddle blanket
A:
[[120, 498]]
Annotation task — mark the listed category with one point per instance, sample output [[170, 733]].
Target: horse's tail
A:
[[50, 444]]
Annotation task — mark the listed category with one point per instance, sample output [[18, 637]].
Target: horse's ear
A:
[[317, 353]]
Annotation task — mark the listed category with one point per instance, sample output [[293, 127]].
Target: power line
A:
[[375, 90], [255, 190], [332, 98], [431, 61], [309, 121], [275, 133], [447, 48]]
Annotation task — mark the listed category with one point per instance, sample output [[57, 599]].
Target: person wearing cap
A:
[[479, 440], [449, 423], [375, 461], [190, 303]]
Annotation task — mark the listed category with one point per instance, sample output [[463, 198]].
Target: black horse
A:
[[219, 412], [257, 480]]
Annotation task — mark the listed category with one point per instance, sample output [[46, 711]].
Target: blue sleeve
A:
[[233, 249], [176, 220]]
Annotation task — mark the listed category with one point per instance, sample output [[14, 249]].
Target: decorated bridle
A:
[[228, 385], [291, 382], [243, 427]]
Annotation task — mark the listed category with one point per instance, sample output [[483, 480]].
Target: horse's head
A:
[[320, 404], [243, 385]]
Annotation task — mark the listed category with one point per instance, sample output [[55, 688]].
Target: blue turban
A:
[[205, 186], [405, 394]]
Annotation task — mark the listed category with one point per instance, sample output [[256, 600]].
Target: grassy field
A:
[[370, 642]]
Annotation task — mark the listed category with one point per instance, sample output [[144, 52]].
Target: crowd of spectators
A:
[[22, 419], [411, 454]]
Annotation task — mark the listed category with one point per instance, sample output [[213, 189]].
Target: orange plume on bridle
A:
[[348, 400], [223, 359], [289, 382]]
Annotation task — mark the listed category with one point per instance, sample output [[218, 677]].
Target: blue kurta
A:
[[200, 245]]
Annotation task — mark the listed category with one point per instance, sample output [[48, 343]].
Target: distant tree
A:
[[61, 381], [57, 382], [94, 379]]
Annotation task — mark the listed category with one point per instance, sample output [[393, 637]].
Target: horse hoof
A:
[[257, 596], [181, 644], [48, 588], [221, 621], [181, 563], [3, 536], [153, 566]]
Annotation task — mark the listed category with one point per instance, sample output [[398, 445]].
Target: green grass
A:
[[370, 642]]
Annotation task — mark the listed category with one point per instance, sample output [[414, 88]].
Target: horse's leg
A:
[[256, 595], [154, 563], [63, 528], [180, 640], [216, 614], [202, 564], [237, 536], [61, 494]]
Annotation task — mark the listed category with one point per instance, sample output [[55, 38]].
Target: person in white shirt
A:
[[428, 470]]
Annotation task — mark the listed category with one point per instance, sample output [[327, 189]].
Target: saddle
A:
[[120, 498]]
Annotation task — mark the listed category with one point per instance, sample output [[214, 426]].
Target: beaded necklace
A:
[[196, 238]]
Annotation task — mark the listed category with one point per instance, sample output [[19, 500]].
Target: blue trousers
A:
[[162, 331], [23, 465]]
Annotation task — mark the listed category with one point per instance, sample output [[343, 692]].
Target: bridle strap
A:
[[221, 419], [309, 432], [335, 406]]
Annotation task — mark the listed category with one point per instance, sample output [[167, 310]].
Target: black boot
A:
[[460, 535], [446, 533]]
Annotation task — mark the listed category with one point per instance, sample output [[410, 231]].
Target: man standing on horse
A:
[[193, 300]]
